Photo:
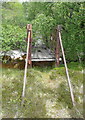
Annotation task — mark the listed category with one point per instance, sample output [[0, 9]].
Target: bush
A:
[[13, 38]]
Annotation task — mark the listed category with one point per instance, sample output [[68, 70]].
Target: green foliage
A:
[[13, 13], [13, 38], [45, 17], [43, 25], [75, 66], [13, 26]]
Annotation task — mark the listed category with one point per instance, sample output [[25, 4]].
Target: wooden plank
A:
[[25, 72], [67, 73]]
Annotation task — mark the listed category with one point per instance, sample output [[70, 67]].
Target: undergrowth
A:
[[47, 92]]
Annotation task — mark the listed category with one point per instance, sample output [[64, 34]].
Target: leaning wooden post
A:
[[69, 82], [26, 64]]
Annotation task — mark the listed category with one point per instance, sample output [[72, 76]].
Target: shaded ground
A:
[[47, 93]]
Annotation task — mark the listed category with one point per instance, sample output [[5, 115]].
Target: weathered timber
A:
[[27, 57], [57, 48], [29, 29], [67, 73]]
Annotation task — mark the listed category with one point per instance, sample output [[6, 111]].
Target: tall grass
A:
[[47, 92]]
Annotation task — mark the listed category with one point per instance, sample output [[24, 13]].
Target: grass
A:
[[47, 93]]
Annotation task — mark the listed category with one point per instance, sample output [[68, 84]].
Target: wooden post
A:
[[26, 64], [57, 49], [29, 29], [68, 78]]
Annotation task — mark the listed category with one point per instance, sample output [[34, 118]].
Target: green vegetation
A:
[[47, 93], [44, 17]]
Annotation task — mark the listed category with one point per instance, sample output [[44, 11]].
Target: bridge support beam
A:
[[29, 29], [57, 52]]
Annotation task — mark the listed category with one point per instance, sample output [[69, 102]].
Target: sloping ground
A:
[[47, 93]]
